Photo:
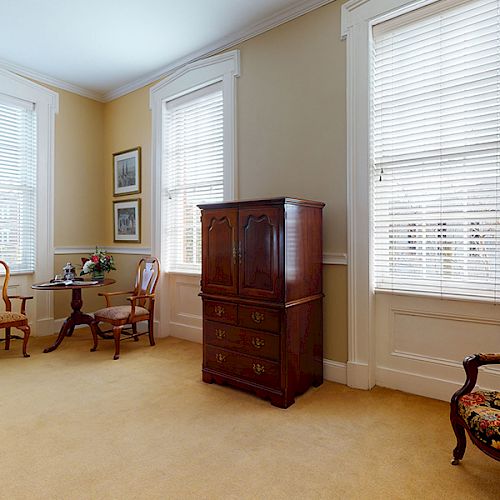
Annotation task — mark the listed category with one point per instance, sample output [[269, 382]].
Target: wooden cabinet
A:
[[262, 295]]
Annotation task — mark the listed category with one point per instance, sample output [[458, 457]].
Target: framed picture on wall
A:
[[127, 220], [127, 172]]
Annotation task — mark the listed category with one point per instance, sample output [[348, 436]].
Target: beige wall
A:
[[291, 141], [127, 124], [291, 116], [78, 184]]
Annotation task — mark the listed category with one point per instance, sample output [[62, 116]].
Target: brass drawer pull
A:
[[219, 311], [258, 368], [257, 342], [220, 358], [220, 333], [257, 317]]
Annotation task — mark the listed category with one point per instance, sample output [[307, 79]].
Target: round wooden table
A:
[[77, 317]]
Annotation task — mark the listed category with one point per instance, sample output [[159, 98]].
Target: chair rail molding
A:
[[125, 250], [337, 259], [358, 16]]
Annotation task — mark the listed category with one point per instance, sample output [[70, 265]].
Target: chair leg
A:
[[134, 331], [7, 339], [93, 329], [26, 330], [458, 452], [151, 333], [117, 330]]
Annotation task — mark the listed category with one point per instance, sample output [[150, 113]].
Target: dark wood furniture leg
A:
[[76, 318], [7, 339]]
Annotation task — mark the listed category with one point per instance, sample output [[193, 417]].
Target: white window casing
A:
[[29, 99], [209, 84]]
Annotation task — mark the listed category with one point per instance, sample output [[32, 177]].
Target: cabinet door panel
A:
[[219, 240], [260, 235]]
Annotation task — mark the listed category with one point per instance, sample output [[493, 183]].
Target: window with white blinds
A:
[[193, 172], [435, 139], [17, 183]]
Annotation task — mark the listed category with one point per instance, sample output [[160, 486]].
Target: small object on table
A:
[[69, 271], [77, 317]]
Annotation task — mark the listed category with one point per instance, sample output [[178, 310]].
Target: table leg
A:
[[68, 323], [76, 318]]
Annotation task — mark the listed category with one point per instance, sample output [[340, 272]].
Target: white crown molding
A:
[[49, 80], [117, 250], [338, 259], [281, 17]]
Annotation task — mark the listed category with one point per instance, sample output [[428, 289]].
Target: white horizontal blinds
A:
[[193, 162], [436, 150], [17, 184]]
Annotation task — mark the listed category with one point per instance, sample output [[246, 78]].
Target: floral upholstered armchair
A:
[[476, 412]]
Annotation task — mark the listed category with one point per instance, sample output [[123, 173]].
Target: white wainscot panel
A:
[[442, 336], [185, 307], [421, 344]]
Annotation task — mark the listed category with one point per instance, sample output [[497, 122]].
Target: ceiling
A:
[[102, 47]]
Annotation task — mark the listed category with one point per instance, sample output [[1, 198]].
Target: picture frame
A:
[[127, 172], [127, 220]]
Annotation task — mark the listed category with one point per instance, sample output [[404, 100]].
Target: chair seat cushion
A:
[[10, 317], [119, 313], [481, 412]]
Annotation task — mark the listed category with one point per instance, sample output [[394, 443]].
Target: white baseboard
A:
[[358, 375], [433, 386], [416, 383], [334, 371], [186, 332], [44, 327]]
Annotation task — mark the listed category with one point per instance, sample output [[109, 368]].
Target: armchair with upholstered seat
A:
[[10, 319], [476, 412], [124, 318]]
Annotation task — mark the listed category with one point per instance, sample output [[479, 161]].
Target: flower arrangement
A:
[[99, 263]]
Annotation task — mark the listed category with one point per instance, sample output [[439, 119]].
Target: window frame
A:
[[46, 104], [357, 19], [222, 68]]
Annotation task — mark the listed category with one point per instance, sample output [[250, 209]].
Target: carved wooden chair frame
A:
[[143, 295], [471, 365], [19, 323]]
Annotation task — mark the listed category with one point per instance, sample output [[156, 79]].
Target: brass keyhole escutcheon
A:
[[220, 358], [257, 317], [220, 333], [257, 342], [258, 368], [219, 311]]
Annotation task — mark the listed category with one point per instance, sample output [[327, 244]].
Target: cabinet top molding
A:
[[266, 201]]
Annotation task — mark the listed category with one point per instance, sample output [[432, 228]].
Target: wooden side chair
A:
[[10, 319], [124, 319], [476, 412]]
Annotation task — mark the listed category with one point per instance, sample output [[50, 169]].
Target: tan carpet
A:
[[76, 424]]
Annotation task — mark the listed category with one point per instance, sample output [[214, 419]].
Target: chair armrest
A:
[[23, 299], [108, 295], [471, 366], [135, 298]]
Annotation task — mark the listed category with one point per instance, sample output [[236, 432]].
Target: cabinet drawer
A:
[[259, 318], [260, 371], [220, 311], [255, 343]]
